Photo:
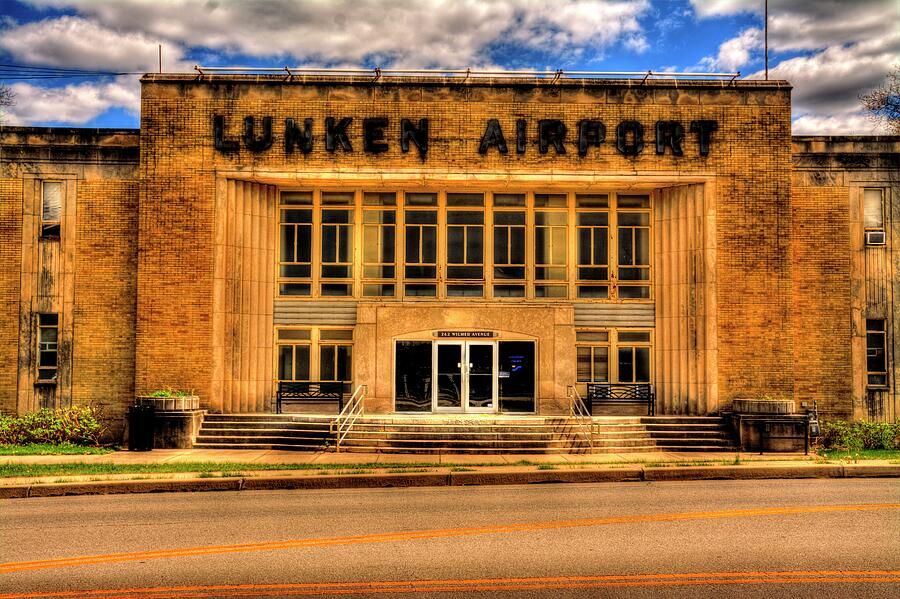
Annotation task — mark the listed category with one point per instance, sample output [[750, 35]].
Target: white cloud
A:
[[76, 104], [411, 33], [845, 124], [76, 42], [734, 53]]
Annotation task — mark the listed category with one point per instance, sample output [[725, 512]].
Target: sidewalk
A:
[[327, 470]]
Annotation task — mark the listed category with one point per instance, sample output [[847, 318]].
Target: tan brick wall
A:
[[750, 161], [10, 272], [105, 284], [820, 248]]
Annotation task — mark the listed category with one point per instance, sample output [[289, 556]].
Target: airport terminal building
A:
[[454, 246]]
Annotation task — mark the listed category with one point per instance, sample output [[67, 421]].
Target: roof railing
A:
[[465, 74]]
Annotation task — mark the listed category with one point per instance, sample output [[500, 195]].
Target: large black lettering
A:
[[493, 136], [551, 133], [373, 135], [295, 136], [590, 133], [704, 131], [418, 135], [669, 134], [337, 134], [219, 142], [521, 132], [264, 141], [630, 138]]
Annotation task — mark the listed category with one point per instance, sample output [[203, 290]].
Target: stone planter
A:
[[762, 406], [178, 403]]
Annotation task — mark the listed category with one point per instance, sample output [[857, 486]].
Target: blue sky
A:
[[830, 50]]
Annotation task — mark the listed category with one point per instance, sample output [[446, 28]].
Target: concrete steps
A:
[[467, 434]]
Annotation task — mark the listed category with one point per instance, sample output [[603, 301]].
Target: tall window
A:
[[465, 245], [295, 253], [379, 244], [317, 354], [873, 200], [633, 351], [592, 350], [337, 244], [421, 245], [876, 353], [550, 244], [47, 347], [592, 226], [509, 244], [633, 246], [51, 208]]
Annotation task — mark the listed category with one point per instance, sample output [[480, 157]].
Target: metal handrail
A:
[[378, 72], [343, 424], [582, 416]]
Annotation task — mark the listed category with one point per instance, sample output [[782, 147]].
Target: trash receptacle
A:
[[140, 428]]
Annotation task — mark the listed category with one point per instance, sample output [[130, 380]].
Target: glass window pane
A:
[[874, 208], [475, 245], [593, 218], [642, 246], [429, 245], [413, 238], [501, 245], [333, 334], [601, 364], [509, 199], [593, 291], [550, 200], [47, 358], [632, 336], [591, 200], [554, 291], [420, 290], [642, 364], [337, 290], [386, 290], [301, 362], [421, 199], [345, 362], [550, 218], [585, 249], [421, 217], [517, 246], [412, 376], [584, 364], [329, 244], [470, 217], [285, 360], [559, 245], [626, 365], [634, 219], [456, 237], [51, 208], [465, 199], [49, 334], [297, 197], [634, 292], [299, 289], [327, 363], [509, 218], [380, 198], [633, 201], [296, 216], [48, 319], [337, 197], [592, 336], [337, 217], [516, 376], [509, 290], [285, 334], [304, 243], [626, 253]]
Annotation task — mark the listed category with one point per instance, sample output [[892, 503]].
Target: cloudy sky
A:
[[830, 50]]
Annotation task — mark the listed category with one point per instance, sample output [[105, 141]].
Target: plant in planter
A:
[[169, 400]]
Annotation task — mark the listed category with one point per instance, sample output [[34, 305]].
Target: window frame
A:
[[613, 345], [43, 225], [315, 343], [52, 347], [874, 330]]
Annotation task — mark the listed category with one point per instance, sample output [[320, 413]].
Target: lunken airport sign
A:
[[551, 133]]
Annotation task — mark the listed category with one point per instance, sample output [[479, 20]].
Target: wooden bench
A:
[[298, 392], [620, 394]]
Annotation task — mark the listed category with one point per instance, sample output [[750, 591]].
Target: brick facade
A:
[[761, 263]]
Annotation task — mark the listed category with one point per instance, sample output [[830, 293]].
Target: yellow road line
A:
[[484, 584], [430, 534]]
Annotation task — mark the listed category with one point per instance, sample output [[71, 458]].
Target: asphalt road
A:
[[794, 538]]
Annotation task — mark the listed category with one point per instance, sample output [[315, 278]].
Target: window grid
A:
[[876, 353], [47, 363], [51, 209], [629, 355], [313, 353], [551, 229]]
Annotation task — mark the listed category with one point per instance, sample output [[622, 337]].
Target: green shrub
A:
[[170, 393], [78, 425], [854, 436]]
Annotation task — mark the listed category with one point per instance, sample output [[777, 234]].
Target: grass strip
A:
[[49, 449], [859, 454]]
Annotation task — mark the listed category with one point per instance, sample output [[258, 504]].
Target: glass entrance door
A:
[[466, 377]]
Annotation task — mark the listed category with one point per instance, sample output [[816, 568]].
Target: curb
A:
[[450, 479]]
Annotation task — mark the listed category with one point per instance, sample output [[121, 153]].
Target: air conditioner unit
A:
[[875, 238]]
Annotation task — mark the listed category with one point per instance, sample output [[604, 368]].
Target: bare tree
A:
[[883, 102], [7, 98]]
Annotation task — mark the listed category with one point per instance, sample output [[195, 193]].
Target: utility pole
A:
[[160, 61], [766, 35]]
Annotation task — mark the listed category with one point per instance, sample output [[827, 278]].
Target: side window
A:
[[314, 354], [634, 356], [51, 209], [873, 216], [47, 347], [876, 354], [592, 351]]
